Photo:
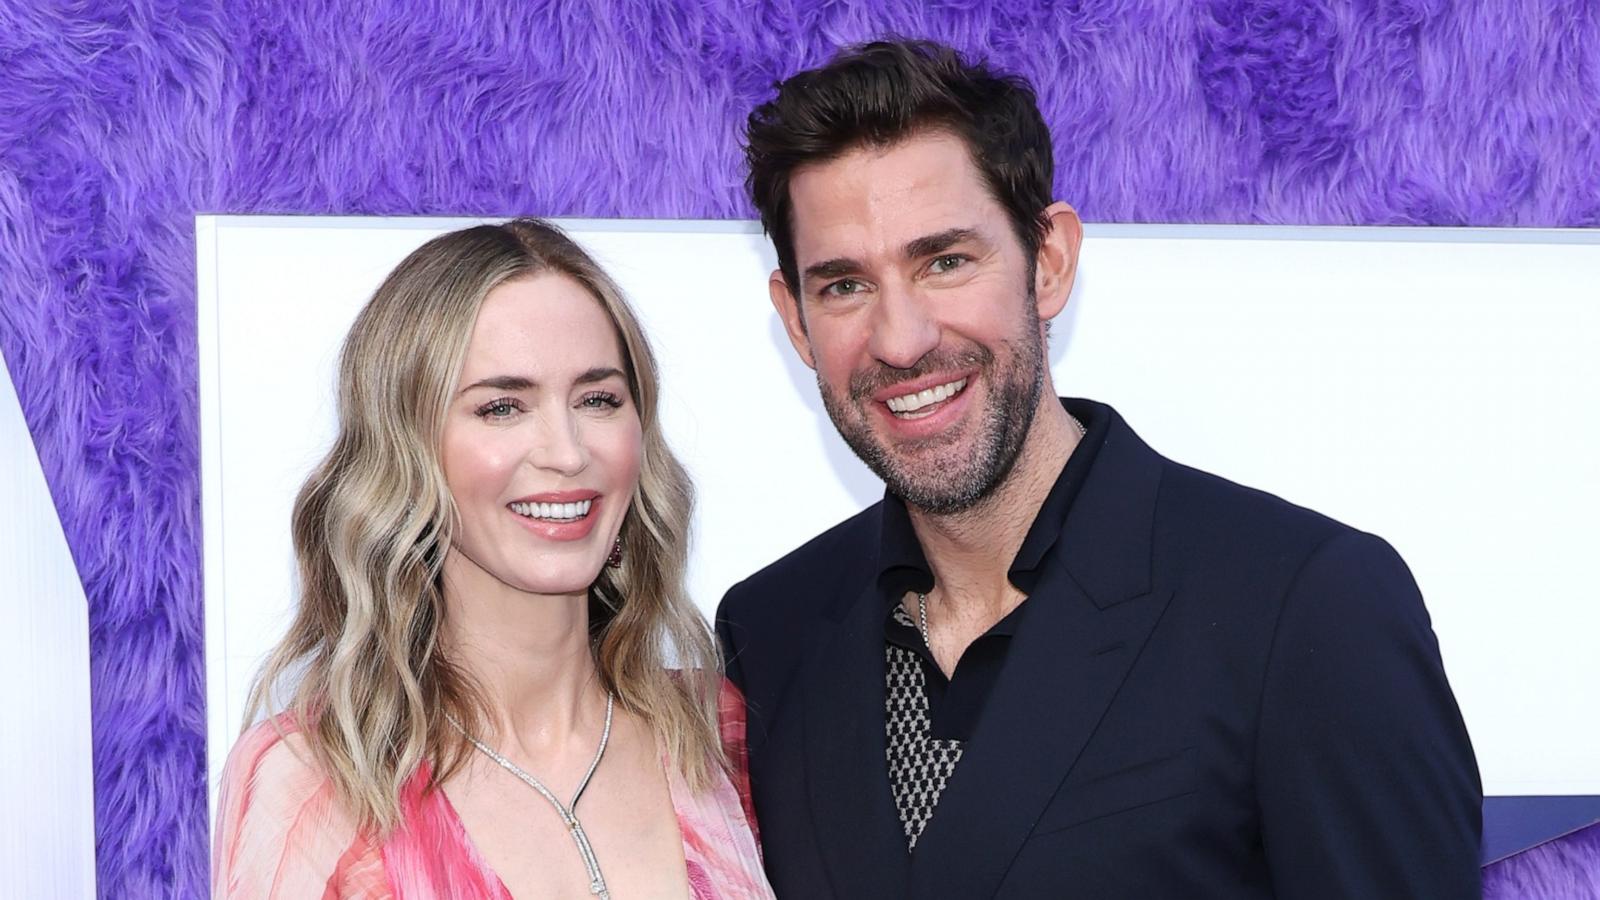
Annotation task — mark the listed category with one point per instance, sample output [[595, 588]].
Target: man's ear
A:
[[794, 321], [1056, 265]]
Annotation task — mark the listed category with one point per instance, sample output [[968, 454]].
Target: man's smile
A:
[[911, 405]]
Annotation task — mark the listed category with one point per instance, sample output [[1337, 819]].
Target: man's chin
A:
[[945, 471], [938, 497]]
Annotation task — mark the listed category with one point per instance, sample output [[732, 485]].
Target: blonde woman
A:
[[491, 561]]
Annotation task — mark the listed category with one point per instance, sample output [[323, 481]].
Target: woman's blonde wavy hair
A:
[[369, 684]]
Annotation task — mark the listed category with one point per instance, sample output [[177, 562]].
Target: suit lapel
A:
[[1063, 670], [1086, 623], [847, 775]]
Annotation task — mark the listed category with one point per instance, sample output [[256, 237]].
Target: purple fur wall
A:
[[119, 121]]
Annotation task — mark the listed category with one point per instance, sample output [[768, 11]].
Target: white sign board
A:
[[1434, 386], [46, 762]]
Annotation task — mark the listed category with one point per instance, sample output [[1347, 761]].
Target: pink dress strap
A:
[[431, 854], [720, 846], [731, 725]]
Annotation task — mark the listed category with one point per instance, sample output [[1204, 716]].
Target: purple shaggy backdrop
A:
[[121, 120]]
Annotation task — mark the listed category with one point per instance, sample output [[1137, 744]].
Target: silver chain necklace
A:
[[922, 597], [568, 812], [922, 620]]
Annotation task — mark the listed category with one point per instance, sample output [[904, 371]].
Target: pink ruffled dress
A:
[[281, 834]]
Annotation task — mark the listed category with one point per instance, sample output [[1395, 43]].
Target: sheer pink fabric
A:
[[280, 832]]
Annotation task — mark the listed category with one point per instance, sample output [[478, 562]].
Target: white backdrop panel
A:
[[1434, 386], [46, 760]]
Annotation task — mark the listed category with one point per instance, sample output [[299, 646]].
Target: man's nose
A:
[[903, 332], [558, 446]]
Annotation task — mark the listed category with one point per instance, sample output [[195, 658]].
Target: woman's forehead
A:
[[547, 325]]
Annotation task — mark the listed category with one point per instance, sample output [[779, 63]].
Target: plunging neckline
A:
[[280, 823], [673, 787]]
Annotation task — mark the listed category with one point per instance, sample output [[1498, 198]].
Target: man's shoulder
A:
[[1190, 504], [1234, 535], [814, 574], [1230, 507], [835, 556]]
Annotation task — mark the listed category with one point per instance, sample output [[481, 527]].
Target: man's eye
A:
[[946, 263], [844, 287]]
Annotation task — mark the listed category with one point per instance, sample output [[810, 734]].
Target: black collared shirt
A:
[[928, 722]]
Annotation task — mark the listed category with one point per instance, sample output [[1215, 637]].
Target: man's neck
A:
[[970, 552]]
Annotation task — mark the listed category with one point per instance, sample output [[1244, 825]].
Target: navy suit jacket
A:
[[1213, 693]]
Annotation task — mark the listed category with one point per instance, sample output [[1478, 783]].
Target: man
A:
[[1050, 662]]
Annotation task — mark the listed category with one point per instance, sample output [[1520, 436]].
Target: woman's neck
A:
[[528, 654]]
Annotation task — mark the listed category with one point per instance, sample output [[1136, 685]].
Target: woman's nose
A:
[[559, 447]]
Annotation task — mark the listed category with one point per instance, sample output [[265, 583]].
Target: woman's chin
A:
[[564, 581], [552, 589]]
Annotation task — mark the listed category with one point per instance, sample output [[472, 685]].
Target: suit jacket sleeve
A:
[[1366, 779]]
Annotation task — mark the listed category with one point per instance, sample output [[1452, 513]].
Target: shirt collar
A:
[[904, 567]]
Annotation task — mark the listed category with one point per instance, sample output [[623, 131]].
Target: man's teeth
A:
[[914, 402], [553, 510]]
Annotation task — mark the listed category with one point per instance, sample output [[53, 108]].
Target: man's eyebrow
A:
[[929, 245], [523, 383], [832, 268]]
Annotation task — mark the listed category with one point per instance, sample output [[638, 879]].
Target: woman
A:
[[491, 559]]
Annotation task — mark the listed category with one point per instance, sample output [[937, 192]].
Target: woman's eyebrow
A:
[[600, 373], [524, 383], [502, 383]]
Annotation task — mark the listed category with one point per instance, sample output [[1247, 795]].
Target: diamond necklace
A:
[[568, 812]]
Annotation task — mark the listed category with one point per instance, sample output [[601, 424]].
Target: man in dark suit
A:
[[1050, 662]]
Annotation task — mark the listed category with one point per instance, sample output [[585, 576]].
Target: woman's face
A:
[[541, 440]]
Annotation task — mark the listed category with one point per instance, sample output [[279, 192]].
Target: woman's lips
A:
[[558, 520]]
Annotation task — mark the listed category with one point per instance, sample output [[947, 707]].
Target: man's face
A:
[[917, 310]]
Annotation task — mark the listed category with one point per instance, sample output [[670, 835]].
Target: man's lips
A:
[[909, 398], [919, 384]]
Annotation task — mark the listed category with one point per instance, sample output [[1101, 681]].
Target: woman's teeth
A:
[[913, 402], [554, 511]]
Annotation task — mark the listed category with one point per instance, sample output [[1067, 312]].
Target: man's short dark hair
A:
[[877, 94]]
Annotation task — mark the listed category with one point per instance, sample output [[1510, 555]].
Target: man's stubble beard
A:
[[947, 487]]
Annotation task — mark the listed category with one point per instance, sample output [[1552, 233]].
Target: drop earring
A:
[[615, 559]]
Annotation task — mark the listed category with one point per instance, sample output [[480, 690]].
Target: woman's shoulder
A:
[[280, 828], [273, 756]]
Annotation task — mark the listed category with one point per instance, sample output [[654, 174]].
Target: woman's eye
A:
[[601, 400], [503, 408]]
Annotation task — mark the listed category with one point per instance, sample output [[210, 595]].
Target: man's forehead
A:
[[878, 198]]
